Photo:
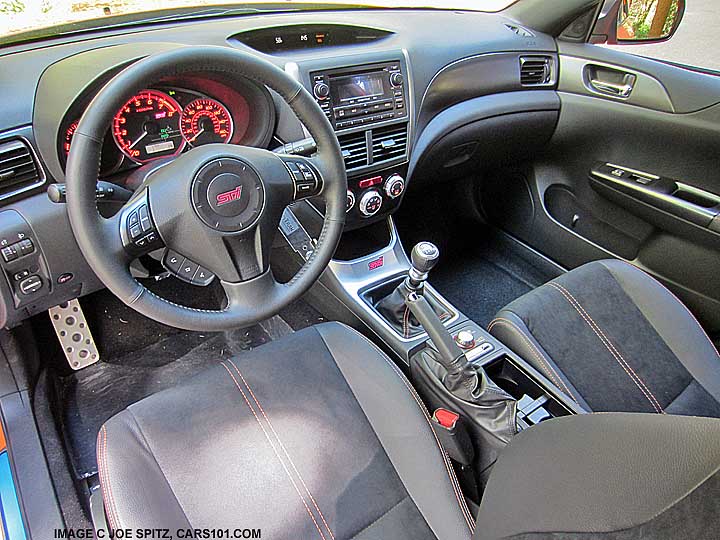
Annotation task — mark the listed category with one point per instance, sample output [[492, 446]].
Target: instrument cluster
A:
[[163, 121]]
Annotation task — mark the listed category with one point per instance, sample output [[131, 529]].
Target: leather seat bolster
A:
[[402, 425], [511, 330], [598, 473], [673, 321], [135, 490]]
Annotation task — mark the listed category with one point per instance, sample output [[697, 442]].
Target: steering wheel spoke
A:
[[305, 175], [138, 230], [248, 295]]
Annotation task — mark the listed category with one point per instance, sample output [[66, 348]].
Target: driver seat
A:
[[314, 436], [320, 436]]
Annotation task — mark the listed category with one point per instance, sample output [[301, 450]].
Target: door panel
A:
[[667, 128]]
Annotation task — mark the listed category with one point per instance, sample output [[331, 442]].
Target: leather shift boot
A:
[[490, 410], [393, 309]]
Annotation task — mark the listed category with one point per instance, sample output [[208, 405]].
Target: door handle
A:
[[609, 81], [613, 89]]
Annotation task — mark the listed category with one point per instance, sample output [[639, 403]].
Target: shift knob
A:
[[424, 257]]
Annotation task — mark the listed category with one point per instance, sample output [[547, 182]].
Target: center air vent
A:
[[537, 71], [18, 169], [389, 143], [354, 150]]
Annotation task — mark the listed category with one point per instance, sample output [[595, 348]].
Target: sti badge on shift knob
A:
[[424, 257]]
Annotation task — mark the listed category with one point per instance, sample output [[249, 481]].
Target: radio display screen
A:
[[357, 86]]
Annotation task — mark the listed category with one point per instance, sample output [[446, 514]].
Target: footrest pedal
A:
[[74, 334]]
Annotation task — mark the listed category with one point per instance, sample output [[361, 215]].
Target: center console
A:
[[460, 370]]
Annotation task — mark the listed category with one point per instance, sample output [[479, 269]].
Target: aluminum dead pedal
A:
[[74, 334]]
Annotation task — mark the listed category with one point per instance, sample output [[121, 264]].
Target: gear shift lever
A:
[[393, 307], [461, 378]]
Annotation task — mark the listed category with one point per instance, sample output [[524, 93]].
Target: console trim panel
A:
[[355, 278]]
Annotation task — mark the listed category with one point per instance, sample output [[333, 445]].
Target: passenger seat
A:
[[614, 339]]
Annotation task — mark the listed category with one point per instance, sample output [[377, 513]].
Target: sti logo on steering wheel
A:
[[229, 196]]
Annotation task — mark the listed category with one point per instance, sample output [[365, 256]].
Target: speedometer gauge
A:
[[206, 121], [148, 127]]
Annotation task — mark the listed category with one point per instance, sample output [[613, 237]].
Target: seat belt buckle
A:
[[453, 435]]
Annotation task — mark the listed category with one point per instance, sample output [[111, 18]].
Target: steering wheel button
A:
[[151, 237], [26, 247], [10, 253], [173, 261], [144, 218], [135, 231], [202, 277], [187, 270], [133, 219]]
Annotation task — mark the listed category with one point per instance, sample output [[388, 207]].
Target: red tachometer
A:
[[148, 127], [206, 121]]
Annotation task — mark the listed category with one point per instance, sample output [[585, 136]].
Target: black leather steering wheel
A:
[[218, 205]]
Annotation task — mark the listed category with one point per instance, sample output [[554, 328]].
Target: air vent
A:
[[536, 71], [519, 30], [18, 168], [389, 143], [354, 150]]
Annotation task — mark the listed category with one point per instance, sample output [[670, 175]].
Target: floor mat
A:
[[496, 271]]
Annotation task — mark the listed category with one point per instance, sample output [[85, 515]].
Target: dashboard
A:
[[407, 93]]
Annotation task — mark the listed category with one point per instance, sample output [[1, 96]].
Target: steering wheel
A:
[[218, 205]]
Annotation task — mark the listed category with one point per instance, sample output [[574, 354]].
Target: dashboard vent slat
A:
[[519, 30], [18, 168], [537, 71], [389, 143], [354, 150]]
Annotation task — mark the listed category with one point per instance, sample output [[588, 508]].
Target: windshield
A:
[[22, 16]]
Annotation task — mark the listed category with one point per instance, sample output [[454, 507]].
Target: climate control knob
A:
[[370, 203], [394, 186], [350, 201], [321, 90]]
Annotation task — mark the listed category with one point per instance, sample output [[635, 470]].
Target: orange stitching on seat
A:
[[609, 343], [275, 450], [287, 454], [609, 346], [453, 479], [108, 496], [101, 473], [536, 353]]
